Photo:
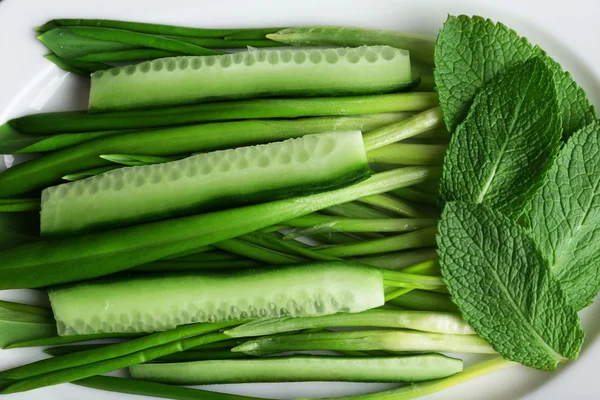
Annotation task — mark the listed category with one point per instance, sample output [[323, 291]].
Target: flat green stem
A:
[[419, 123], [409, 154], [397, 206], [386, 340], [107, 365], [395, 293], [400, 260], [254, 252], [181, 266], [421, 238], [143, 388], [90, 172], [157, 29], [112, 351], [142, 40], [426, 321], [262, 239], [139, 159], [315, 223], [415, 195], [421, 300], [81, 121], [83, 68]]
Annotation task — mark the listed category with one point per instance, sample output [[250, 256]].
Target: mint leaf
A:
[[500, 154], [504, 287], [564, 216], [471, 51]]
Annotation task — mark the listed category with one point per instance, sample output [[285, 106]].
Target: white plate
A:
[[567, 30]]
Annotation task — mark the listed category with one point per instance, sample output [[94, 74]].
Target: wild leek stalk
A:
[[50, 168], [112, 351], [142, 388], [396, 206], [137, 39], [76, 176], [256, 253], [419, 46], [425, 388], [83, 68], [106, 365], [421, 238], [80, 121], [409, 154], [387, 340], [156, 29], [356, 210], [133, 160], [425, 301], [171, 266], [315, 223], [275, 244], [400, 260], [415, 125], [184, 356], [24, 322], [426, 321], [55, 340], [417, 196], [19, 205]]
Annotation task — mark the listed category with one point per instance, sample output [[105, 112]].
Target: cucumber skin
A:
[[153, 303], [414, 368], [186, 80], [116, 198]]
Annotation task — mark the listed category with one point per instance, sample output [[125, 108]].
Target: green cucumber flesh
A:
[[205, 182], [413, 368], [186, 80], [154, 303]]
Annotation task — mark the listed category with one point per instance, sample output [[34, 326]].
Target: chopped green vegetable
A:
[[205, 182], [305, 290], [564, 216], [413, 368], [18, 228], [397, 206], [185, 80], [134, 160], [387, 340], [172, 266], [257, 253], [511, 137], [472, 50], [504, 287]]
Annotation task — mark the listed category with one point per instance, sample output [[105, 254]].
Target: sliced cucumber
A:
[[185, 80], [414, 368], [146, 304], [203, 182]]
